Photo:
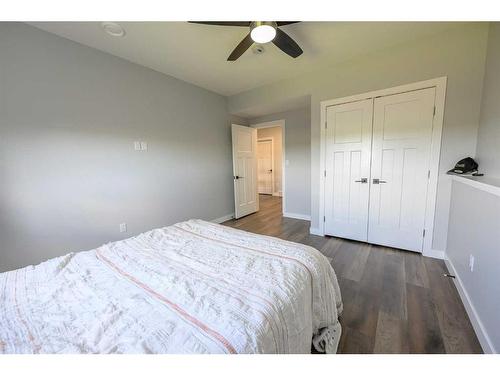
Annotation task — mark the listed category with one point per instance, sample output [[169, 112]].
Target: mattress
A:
[[193, 287]]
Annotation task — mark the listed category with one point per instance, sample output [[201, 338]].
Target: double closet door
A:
[[377, 168]]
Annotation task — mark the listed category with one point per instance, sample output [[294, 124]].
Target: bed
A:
[[193, 287]]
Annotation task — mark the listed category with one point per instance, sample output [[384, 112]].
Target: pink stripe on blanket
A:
[[172, 305], [210, 276]]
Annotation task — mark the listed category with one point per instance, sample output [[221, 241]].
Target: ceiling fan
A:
[[261, 32]]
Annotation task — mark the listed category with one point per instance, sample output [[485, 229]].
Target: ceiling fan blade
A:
[[287, 44], [283, 23], [223, 23], [240, 48]]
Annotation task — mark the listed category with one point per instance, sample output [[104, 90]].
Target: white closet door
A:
[[348, 152], [402, 134], [245, 170]]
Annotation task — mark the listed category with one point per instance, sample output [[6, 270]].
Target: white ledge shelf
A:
[[485, 183]]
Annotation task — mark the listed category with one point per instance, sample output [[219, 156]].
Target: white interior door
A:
[[245, 170], [265, 166], [348, 152], [402, 134]]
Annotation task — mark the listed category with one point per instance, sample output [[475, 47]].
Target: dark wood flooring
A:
[[394, 301]]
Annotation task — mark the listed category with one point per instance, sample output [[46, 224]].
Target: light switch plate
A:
[[123, 227], [137, 146], [144, 146]]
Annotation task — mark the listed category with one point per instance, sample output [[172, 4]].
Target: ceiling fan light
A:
[[263, 33]]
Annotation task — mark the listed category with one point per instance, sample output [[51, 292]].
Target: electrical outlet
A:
[[471, 263], [123, 227]]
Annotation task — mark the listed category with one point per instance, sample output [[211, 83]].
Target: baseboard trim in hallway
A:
[[297, 216]]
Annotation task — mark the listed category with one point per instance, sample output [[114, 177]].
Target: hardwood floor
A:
[[394, 301]]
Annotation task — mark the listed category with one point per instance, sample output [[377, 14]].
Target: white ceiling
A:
[[197, 53]]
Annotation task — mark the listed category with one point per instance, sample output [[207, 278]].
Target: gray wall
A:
[[488, 143], [297, 152], [475, 230], [458, 53], [69, 174]]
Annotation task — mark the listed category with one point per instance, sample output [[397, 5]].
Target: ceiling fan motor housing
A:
[[255, 24]]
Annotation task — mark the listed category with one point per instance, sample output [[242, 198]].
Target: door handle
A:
[[237, 177], [377, 181], [270, 170], [363, 180]]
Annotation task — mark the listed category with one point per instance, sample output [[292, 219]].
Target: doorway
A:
[[258, 172], [270, 160]]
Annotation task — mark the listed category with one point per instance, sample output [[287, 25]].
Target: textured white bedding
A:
[[194, 287]]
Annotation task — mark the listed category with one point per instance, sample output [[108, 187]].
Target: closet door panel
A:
[[348, 148], [402, 133]]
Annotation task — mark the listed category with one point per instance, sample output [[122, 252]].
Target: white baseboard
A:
[[223, 219], [297, 216], [478, 326], [437, 254], [315, 231]]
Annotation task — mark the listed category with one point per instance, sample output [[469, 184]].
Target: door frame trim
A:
[[275, 124], [267, 139], [437, 130]]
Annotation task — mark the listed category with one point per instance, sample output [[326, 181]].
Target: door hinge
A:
[[423, 233], [324, 219], [428, 174], [325, 173], [434, 112], [326, 125]]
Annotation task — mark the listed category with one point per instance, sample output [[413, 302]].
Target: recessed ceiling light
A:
[[113, 29]]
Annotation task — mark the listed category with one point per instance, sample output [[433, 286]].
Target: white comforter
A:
[[194, 287]]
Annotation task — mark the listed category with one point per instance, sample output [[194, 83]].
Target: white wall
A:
[[69, 175], [275, 134], [474, 225], [458, 53], [475, 230], [297, 152], [488, 143]]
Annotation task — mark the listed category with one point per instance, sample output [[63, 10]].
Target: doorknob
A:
[[377, 181], [363, 180], [237, 177]]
